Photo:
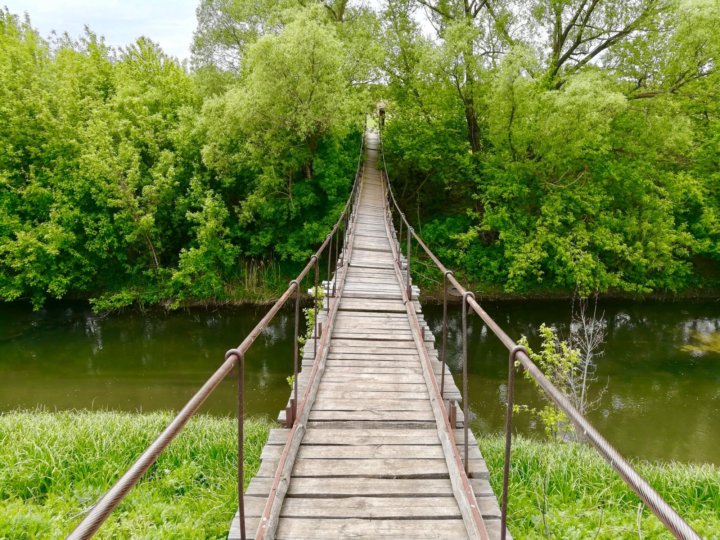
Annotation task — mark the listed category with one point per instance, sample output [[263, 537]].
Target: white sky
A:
[[168, 22]]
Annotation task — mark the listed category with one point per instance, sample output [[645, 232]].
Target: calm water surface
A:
[[656, 401]]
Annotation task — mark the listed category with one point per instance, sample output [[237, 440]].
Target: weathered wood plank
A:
[[342, 405], [372, 508], [371, 416], [371, 394], [377, 387], [306, 528], [375, 451], [370, 437]]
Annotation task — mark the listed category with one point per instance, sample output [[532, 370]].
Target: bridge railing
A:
[[234, 358], [518, 355]]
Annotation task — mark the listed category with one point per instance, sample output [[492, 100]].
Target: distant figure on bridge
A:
[[381, 113]]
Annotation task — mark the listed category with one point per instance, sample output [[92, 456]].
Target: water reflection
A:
[[662, 402], [66, 357]]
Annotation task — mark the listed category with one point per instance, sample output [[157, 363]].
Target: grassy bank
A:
[[560, 490], [55, 465]]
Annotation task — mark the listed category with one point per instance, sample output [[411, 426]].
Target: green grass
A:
[[53, 466], [563, 490]]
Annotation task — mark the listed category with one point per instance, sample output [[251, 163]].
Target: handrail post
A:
[[241, 436], [327, 282], [296, 355], [508, 437], [466, 406], [400, 234], [443, 351], [337, 257], [316, 308], [409, 247]]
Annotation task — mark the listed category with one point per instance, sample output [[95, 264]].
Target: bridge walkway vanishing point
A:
[[376, 458]]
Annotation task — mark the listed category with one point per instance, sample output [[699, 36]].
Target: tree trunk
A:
[[472, 126]]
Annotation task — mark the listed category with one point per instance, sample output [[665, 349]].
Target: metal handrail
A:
[[518, 354], [105, 505]]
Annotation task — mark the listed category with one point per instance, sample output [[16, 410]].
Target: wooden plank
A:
[[378, 320], [320, 488], [372, 507], [400, 345], [371, 394], [371, 356], [367, 379], [371, 416], [392, 336], [374, 436], [380, 370], [371, 264], [373, 295], [357, 304], [308, 528], [381, 347], [374, 277], [399, 316], [375, 451], [381, 283], [342, 405], [372, 468], [376, 387]]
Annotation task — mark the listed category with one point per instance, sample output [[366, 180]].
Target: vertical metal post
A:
[[327, 283], [347, 230], [296, 351], [241, 443], [443, 351], [409, 246], [466, 407], [337, 256], [316, 307], [508, 437], [400, 239]]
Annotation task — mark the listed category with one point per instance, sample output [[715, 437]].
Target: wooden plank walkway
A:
[[373, 461]]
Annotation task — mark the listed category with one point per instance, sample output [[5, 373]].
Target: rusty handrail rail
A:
[[102, 509], [662, 510]]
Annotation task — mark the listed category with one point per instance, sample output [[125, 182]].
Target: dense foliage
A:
[[126, 178], [543, 145], [560, 144]]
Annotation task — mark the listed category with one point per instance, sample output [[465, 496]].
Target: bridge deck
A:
[[371, 462]]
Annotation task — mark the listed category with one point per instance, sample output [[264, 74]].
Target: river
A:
[[655, 400]]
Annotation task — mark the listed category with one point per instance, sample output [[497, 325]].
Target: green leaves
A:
[[595, 168]]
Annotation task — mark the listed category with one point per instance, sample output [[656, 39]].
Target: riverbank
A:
[[55, 465], [566, 490], [265, 294]]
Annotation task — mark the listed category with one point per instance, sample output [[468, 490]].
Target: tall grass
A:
[[53, 466], [258, 281], [566, 490]]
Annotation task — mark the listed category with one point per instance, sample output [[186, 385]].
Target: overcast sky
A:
[[168, 22]]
